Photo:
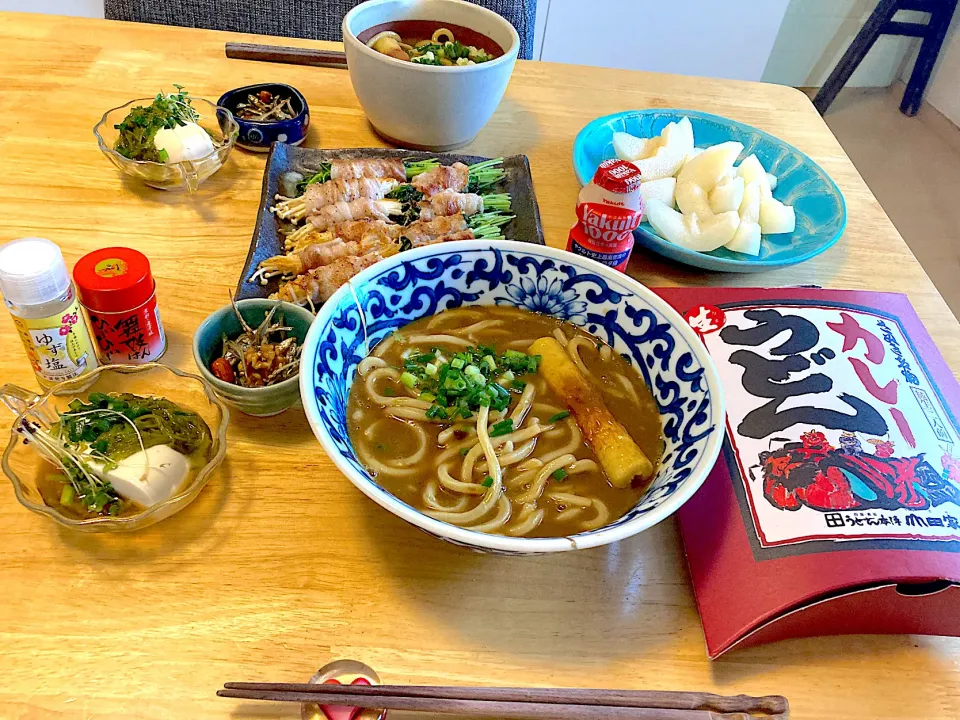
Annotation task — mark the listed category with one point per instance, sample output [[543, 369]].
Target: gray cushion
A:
[[317, 19]]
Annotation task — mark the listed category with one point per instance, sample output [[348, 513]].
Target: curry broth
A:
[[391, 439]]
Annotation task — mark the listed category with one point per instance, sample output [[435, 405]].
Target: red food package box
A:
[[835, 505]]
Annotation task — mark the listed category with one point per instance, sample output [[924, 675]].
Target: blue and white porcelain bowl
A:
[[612, 306], [258, 135]]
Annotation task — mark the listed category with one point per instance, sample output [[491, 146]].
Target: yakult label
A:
[[609, 209]]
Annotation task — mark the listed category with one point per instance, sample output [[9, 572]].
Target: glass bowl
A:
[[186, 175], [23, 465]]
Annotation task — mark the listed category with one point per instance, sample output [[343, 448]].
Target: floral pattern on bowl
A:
[[606, 303]]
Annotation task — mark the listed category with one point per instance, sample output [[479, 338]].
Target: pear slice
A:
[[663, 164], [690, 231], [629, 147], [747, 239], [667, 222], [776, 218], [708, 167], [727, 195], [692, 154], [662, 190], [678, 136], [750, 205], [752, 172], [651, 148], [713, 232], [692, 199], [772, 179]]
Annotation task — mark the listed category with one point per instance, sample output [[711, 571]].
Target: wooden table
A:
[[281, 565]]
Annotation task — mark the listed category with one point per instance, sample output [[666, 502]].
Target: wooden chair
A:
[[881, 22], [316, 19]]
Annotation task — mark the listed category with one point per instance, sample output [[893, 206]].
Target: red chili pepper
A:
[[265, 96], [222, 370]]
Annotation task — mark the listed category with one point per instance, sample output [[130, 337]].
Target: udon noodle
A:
[[523, 470]]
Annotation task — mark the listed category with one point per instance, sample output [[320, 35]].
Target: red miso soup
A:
[[431, 42]]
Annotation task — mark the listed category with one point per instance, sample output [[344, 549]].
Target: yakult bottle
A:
[[609, 209]]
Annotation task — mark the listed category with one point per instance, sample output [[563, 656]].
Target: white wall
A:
[[726, 38], [85, 8], [814, 36]]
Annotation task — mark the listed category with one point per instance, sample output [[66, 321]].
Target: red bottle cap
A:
[[617, 176], [113, 279]]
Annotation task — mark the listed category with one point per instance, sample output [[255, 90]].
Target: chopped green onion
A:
[[502, 428], [464, 451], [473, 378], [559, 474], [435, 411], [487, 481], [562, 415], [389, 392]]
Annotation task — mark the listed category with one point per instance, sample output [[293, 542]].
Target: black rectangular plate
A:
[[283, 158]]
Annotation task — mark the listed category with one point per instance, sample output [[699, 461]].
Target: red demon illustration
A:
[[814, 473]]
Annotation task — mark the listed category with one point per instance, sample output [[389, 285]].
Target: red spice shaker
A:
[[118, 293]]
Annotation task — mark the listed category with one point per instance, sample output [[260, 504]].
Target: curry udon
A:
[[456, 416]]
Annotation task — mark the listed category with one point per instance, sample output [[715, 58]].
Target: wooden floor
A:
[[912, 165]]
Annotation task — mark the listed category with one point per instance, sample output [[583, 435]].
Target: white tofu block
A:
[[166, 473]]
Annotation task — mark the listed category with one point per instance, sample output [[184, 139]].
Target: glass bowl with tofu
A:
[[186, 154], [117, 449]]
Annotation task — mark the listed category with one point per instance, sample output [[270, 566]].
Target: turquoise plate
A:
[[821, 210]]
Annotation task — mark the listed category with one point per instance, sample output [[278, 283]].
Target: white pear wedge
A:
[[629, 147], [776, 218], [708, 167], [692, 154], [689, 231], [678, 136], [715, 231], [667, 222], [692, 199], [662, 190], [747, 239], [752, 172], [663, 164], [727, 194], [750, 205]]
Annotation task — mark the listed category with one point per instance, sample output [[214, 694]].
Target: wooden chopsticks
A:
[[288, 55], [522, 703]]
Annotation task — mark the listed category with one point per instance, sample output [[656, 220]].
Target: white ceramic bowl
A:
[[612, 306], [422, 106]]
